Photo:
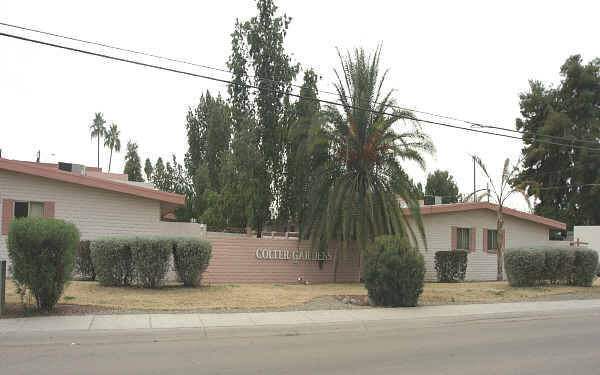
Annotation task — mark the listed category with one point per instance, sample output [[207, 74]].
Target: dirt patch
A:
[[15, 310]]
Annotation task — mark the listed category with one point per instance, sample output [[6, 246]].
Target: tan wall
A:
[[481, 265], [95, 212], [181, 229], [589, 234], [234, 260]]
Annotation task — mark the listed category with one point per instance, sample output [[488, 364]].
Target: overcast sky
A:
[[467, 59]]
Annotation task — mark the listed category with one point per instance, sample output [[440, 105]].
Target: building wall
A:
[[589, 234], [481, 265], [95, 212]]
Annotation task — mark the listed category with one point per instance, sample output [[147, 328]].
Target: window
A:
[[26, 209], [492, 239], [463, 239]]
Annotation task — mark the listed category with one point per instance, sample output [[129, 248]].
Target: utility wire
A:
[[139, 63], [472, 123]]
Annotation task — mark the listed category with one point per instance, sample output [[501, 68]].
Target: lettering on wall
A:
[[295, 255]]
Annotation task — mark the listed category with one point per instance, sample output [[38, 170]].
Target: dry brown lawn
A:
[[271, 296]]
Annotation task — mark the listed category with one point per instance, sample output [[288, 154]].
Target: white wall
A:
[[95, 212], [481, 265], [181, 229], [589, 234]]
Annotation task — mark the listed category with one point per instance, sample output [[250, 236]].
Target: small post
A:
[[2, 286]]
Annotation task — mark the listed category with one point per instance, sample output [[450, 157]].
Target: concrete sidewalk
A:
[[265, 319]]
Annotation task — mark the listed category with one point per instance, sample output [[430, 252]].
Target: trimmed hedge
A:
[[150, 258], [42, 255], [394, 272], [191, 257], [451, 266], [112, 261], [145, 261], [83, 262], [529, 266]]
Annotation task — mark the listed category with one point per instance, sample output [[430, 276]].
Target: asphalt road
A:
[[560, 343]]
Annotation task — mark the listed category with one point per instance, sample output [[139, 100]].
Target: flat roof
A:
[[461, 207], [94, 182]]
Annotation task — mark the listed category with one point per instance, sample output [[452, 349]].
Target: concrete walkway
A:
[[265, 319]]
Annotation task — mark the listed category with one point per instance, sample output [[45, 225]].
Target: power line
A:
[[139, 63], [473, 123]]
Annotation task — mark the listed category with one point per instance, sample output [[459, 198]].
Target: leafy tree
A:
[[260, 118], [441, 183], [568, 177], [148, 169], [500, 193], [209, 132], [133, 167], [112, 141], [159, 176], [401, 180], [352, 195], [303, 154], [98, 130]]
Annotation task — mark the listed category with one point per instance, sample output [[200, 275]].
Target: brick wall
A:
[[234, 260]]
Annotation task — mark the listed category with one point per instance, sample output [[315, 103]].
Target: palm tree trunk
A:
[[98, 151], [110, 160], [500, 239], [336, 261]]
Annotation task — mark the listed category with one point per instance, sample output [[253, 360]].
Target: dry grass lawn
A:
[[253, 296]]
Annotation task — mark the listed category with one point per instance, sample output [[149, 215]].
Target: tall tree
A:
[[302, 154], [499, 194], [112, 141], [133, 166], [401, 180], [209, 133], [352, 195], [98, 130], [568, 177], [159, 176], [258, 57], [148, 169], [441, 183]]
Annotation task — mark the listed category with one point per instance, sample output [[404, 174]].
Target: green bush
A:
[[150, 258], [42, 255], [191, 257], [394, 272], [451, 266], [111, 258], [530, 266], [83, 262], [584, 267]]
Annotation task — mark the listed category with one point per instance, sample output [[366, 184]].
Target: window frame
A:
[[15, 202], [489, 240], [468, 238]]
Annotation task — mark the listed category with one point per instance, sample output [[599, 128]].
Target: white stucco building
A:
[[472, 227], [99, 204]]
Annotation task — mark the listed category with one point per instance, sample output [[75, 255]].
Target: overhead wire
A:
[[181, 61], [229, 82]]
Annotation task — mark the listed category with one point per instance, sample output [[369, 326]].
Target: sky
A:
[[465, 59]]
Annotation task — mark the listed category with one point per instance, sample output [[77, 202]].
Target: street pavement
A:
[[511, 338]]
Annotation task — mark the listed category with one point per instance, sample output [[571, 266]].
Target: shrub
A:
[[535, 265], [451, 266], [150, 258], [83, 262], [191, 257], [42, 255], [524, 266], [111, 258], [585, 263], [394, 272]]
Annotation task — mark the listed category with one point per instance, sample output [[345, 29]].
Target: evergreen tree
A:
[[441, 183], [148, 169], [133, 166]]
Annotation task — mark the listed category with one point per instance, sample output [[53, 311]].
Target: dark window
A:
[[492, 239], [21, 209], [463, 239]]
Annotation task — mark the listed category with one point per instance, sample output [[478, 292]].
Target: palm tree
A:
[[351, 197], [98, 130], [112, 141], [500, 194]]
